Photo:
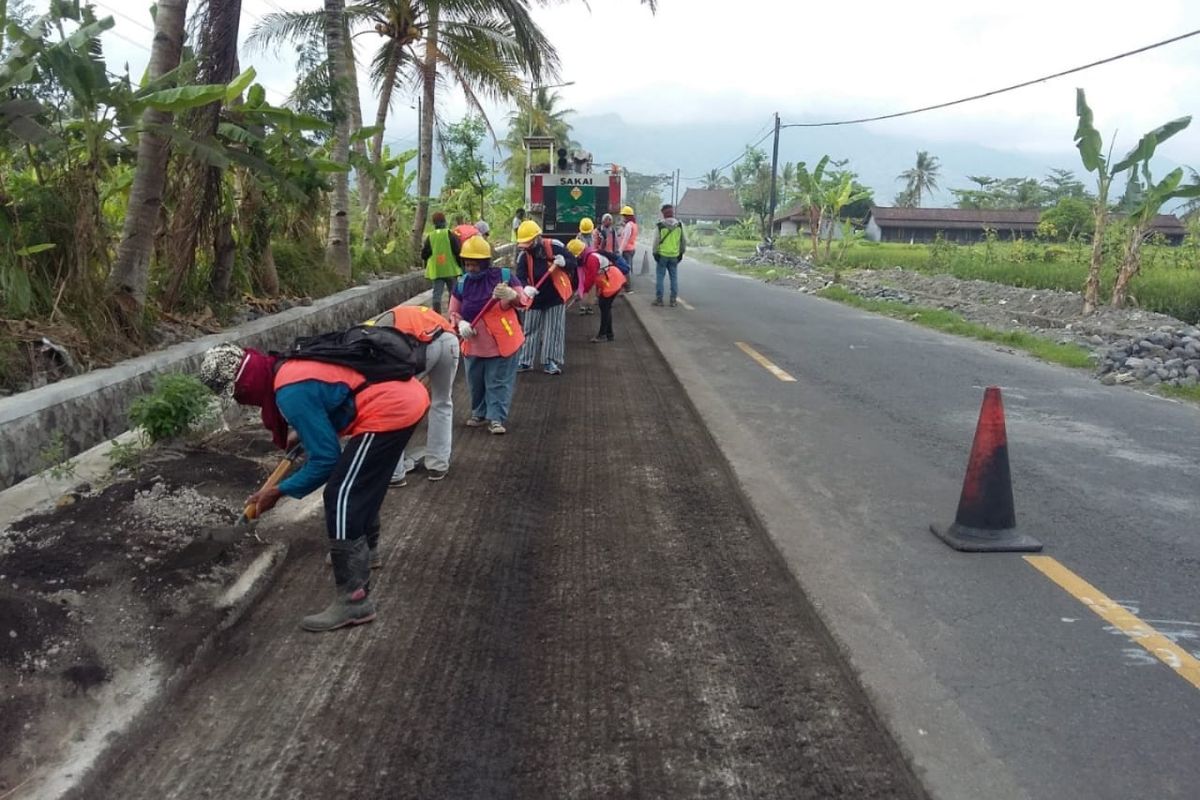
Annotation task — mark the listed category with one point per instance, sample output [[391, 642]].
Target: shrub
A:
[[176, 404], [302, 271]]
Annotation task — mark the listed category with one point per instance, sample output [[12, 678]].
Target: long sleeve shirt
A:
[[317, 410]]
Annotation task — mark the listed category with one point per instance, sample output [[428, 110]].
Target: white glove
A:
[[465, 330], [504, 292], [559, 261], [530, 291]]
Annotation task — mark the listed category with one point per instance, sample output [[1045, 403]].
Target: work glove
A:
[[504, 292], [465, 330], [530, 291], [559, 261]]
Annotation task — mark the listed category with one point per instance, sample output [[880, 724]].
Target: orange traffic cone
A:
[[986, 521]]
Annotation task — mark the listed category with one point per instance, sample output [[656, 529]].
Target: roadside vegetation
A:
[[138, 209], [1084, 242], [1068, 355], [1169, 281]]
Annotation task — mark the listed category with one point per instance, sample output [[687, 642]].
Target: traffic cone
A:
[[986, 521]]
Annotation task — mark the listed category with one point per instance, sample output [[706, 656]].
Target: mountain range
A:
[[877, 158]]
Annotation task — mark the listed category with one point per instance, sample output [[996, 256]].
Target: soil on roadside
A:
[[109, 581]]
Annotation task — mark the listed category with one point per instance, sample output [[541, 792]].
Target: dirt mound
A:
[[96, 586]]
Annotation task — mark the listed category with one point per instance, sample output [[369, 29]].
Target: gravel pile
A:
[[172, 511], [1168, 356], [777, 258]]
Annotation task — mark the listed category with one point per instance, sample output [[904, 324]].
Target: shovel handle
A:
[[275, 477]]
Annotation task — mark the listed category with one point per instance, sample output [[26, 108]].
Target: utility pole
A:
[[774, 170], [675, 189]]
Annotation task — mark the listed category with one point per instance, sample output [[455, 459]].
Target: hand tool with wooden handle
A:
[[281, 471]]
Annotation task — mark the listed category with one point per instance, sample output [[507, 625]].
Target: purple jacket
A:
[[474, 290]]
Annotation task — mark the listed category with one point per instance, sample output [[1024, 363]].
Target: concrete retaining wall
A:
[[91, 408]]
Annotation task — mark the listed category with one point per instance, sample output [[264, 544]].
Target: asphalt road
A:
[[585, 608], [996, 681]]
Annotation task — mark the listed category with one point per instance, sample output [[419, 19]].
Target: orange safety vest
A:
[[420, 322], [505, 328], [558, 278], [610, 281], [379, 407]]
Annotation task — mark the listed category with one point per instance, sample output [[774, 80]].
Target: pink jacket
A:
[[629, 232]]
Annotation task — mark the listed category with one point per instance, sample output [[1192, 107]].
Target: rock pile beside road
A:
[[1168, 356], [777, 258]]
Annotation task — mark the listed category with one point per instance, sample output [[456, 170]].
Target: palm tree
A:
[[922, 178], [131, 272], [543, 118], [337, 250], [482, 46], [196, 186], [713, 179]]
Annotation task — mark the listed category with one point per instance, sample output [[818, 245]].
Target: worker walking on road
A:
[[440, 252], [628, 242], [669, 246], [598, 273], [483, 309], [544, 263], [441, 365], [323, 401]]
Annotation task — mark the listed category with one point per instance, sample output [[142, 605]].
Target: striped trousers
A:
[[359, 481], [545, 328]]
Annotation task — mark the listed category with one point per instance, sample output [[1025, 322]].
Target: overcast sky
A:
[[701, 60]]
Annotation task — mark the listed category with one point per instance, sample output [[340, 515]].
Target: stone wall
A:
[[91, 408]]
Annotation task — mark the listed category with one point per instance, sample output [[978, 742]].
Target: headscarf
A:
[[247, 376]]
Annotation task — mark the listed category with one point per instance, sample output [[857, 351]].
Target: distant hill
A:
[[877, 158]]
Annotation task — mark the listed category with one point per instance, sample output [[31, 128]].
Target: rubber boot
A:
[[376, 560], [351, 574], [372, 547]]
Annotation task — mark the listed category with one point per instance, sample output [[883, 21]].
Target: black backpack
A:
[[378, 353]]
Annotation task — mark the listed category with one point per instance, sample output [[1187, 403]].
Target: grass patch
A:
[[1068, 355], [1169, 282], [1188, 393]]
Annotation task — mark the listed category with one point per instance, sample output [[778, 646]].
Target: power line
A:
[[125, 16], [994, 92], [738, 158]]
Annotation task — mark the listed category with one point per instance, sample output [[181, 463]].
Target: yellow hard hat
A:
[[476, 248], [627, 211], [586, 225], [575, 246], [527, 231]]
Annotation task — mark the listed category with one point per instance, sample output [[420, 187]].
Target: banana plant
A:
[[1142, 216], [836, 195], [812, 197], [1089, 143]]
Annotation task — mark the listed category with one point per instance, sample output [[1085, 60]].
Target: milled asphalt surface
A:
[[996, 682], [584, 608]]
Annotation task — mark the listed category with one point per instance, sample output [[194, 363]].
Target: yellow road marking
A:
[[1157, 645], [764, 363], [686, 304]]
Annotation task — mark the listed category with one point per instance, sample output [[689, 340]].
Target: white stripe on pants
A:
[[547, 329]]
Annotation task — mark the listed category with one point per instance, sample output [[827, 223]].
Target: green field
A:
[[1169, 283]]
